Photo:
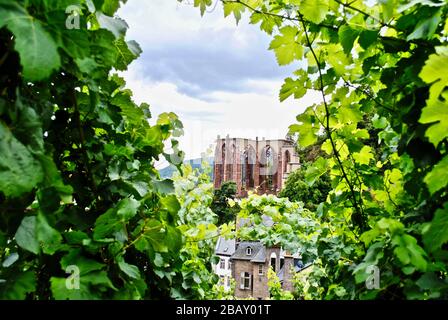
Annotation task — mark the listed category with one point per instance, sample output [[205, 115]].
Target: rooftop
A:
[[225, 247], [253, 251]]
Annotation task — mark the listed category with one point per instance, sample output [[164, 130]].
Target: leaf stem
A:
[[357, 206]]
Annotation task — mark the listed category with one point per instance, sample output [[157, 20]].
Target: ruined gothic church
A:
[[258, 165]]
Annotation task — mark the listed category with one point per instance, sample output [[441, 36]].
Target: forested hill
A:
[[168, 171]]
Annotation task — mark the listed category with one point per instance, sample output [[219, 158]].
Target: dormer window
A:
[[248, 251]]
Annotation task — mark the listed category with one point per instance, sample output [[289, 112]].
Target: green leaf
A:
[[267, 22], [60, 291], [412, 3], [436, 113], [152, 236], [115, 25], [292, 87], [26, 235], [402, 254], [127, 208], [53, 179], [364, 156], [91, 277], [171, 203], [127, 52], [409, 252], [347, 37], [131, 270], [307, 128], [164, 186], [437, 234], [75, 237], [435, 72], [38, 52], [98, 279], [20, 172], [18, 285], [109, 7], [106, 225], [437, 178], [367, 38], [29, 128], [316, 170], [49, 238], [379, 123], [286, 46], [349, 114], [75, 258], [202, 4], [233, 8], [174, 239], [431, 281], [314, 11], [425, 28], [129, 109]]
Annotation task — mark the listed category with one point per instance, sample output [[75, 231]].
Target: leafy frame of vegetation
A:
[[383, 63]]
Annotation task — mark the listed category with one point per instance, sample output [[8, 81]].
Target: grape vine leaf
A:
[[364, 156], [437, 178], [286, 46], [48, 237], [292, 87], [319, 167], [409, 252], [38, 51], [435, 72], [26, 235], [347, 37], [18, 285], [315, 11], [437, 233], [437, 114], [202, 4], [131, 270], [367, 38], [425, 28], [20, 172], [307, 128], [115, 25], [236, 8]]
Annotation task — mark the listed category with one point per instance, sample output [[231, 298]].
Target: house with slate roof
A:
[[248, 262], [224, 249]]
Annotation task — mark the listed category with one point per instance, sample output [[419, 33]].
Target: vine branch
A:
[[357, 206]]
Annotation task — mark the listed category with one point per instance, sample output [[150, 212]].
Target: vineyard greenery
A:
[[78, 186]]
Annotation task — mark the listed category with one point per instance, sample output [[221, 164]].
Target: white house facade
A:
[[225, 248]]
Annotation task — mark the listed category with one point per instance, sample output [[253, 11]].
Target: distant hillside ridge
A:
[[168, 171]]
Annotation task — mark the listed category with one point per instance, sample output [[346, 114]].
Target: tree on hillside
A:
[[220, 205], [298, 189]]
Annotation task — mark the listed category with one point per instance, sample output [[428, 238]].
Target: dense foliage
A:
[[79, 191], [385, 63], [79, 195], [220, 205], [297, 188]]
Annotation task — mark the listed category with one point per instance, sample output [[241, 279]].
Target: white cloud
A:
[[251, 110]]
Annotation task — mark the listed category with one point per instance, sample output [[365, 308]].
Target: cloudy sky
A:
[[218, 77]]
